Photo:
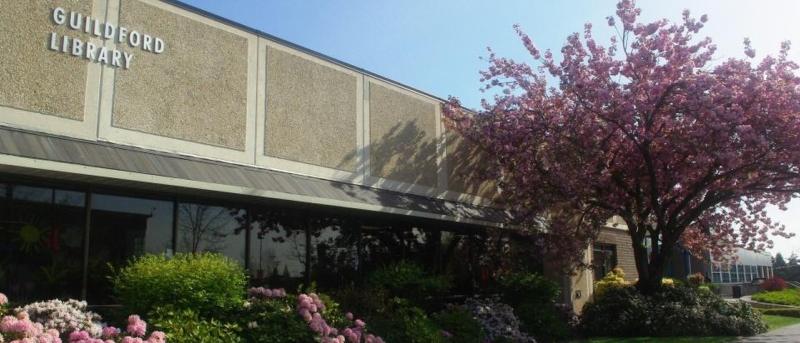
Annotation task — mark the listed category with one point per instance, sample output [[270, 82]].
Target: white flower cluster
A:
[[64, 316], [497, 319]]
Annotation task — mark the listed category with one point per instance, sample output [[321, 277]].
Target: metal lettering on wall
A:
[[104, 30]]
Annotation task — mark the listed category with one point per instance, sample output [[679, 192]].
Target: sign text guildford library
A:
[[100, 53]]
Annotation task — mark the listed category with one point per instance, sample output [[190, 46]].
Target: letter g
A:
[[59, 16]]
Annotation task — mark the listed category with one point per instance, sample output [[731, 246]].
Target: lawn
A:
[[789, 296], [776, 322], [662, 340]]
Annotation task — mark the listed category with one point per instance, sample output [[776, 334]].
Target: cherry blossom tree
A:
[[684, 148]]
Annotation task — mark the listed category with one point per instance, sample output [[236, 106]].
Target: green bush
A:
[[274, 320], [186, 326], [614, 279], [409, 281], [785, 312], [696, 280], [405, 323], [789, 296], [460, 324], [205, 283], [533, 298], [626, 312]]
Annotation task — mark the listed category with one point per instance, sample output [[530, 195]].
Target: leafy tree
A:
[[648, 129], [779, 261], [793, 260]]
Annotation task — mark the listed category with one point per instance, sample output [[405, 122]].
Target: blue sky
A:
[[435, 45]]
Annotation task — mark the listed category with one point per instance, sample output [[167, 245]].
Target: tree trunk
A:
[[651, 267]]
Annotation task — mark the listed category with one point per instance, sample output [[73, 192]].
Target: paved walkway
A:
[[788, 334]]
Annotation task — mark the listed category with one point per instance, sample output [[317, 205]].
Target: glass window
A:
[[32, 194], [277, 248], [41, 243], [212, 228], [121, 228], [740, 273], [726, 274], [604, 258]]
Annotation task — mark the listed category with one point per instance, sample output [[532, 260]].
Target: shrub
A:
[[409, 281], [533, 298], [273, 320], [64, 316], [497, 320], [205, 283], [626, 312], [696, 280], [774, 284], [784, 297], [55, 320], [186, 326], [406, 323], [614, 279], [459, 325]]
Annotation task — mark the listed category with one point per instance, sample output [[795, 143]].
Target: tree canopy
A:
[[684, 148]]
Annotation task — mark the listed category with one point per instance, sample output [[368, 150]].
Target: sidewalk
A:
[[783, 335]]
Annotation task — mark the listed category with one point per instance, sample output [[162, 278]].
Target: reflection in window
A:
[[121, 228], [277, 248], [41, 243], [604, 259], [212, 229]]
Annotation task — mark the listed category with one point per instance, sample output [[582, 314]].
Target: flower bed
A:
[[57, 321]]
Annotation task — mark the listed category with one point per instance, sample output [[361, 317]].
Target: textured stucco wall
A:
[[402, 142], [464, 162], [34, 78], [196, 90], [625, 258], [311, 112]]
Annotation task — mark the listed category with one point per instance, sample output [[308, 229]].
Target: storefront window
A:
[[207, 228], [41, 242], [121, 228], [278, 248]]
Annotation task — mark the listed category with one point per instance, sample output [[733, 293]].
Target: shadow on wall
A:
[[407, 156]]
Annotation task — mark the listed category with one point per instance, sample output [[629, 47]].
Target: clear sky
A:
[[435, 45]]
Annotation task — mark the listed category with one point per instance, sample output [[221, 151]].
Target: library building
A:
[[131, 127]]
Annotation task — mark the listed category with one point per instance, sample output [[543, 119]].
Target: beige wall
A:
[[312, 111], [222, 92], [625, 258], [402, 136], [196, 90], [33, 78], [465, 163], [579, 287]]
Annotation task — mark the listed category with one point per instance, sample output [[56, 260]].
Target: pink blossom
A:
[[136, 326]]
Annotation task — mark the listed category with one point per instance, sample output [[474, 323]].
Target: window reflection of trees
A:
[[201, 224]]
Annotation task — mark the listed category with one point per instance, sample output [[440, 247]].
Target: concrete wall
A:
[[312, 111], [196, 90], [578, 288], [225, 92], [402, 136]]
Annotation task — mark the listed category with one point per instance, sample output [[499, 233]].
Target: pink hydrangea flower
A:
[[110, 332], [3, 299], [136, 326], [157, 337]]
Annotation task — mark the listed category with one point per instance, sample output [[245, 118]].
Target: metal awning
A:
[[33, 153]]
